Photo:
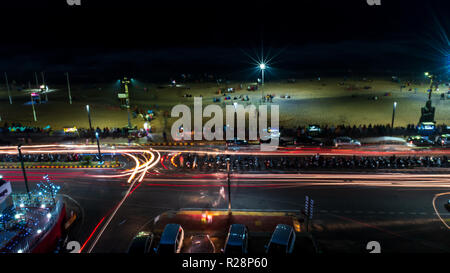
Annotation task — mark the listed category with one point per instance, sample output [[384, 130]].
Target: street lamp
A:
[[68, 88], [229, 186], [89, 117], [23, 170], [7, 87], [393, 115], [32, 107], [126, 82], [262, 67], [427, 74], [98, 146]]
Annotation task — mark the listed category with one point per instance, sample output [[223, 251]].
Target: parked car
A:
[[282, 240], [171, 239], [201, 244], [346, 142], [237, 240], [142, 243], [420, 141], [443, 140]]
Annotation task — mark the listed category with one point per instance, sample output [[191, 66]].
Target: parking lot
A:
[[216, 223]]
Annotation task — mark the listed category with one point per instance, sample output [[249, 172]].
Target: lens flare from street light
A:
[[262, 66]]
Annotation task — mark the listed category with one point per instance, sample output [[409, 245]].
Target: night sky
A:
[[161, 39]]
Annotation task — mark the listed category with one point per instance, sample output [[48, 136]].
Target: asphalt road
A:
[[346, 218], [350, 210]]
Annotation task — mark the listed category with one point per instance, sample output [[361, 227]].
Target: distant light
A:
[[96, 134], [43, 206], [20, 251], [1, 176], [262, 66], [21, 205], [87, 107], [17, 216], [426, 73], [49, 215], [395, 103], [39, 231]]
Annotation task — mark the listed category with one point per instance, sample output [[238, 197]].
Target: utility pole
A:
[[7, 87], [68, 88], [229, 185], [23, 170]]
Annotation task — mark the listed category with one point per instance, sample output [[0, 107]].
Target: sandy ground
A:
[[312, 102]]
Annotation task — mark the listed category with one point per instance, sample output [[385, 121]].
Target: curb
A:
[[169, 144], [62, 167]]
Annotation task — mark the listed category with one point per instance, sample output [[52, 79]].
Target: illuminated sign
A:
[[70, 130]]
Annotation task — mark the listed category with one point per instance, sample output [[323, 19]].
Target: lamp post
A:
[[7, 87], [229, 186], [23, 170], [98, 146], [37, 82], [262, 66], [32, 107], [43, 84], [89, 117], [126, 82], [393, 115], [431, 84], [68, 88]]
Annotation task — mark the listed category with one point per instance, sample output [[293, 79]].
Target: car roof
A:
[[169, 234], [281, 234], [236, 234]]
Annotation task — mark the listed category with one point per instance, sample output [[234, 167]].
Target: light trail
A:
[[435, 210], [144, 159], [139, 167]]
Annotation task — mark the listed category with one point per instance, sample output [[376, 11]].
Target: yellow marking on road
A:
[[247, 213]]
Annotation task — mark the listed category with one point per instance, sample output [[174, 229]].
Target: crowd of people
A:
[[246, 163], [326, 132]]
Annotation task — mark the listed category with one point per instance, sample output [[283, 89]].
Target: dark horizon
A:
[[168, 39]]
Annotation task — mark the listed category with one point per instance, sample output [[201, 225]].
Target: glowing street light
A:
[[393, 115], [427, 74], [126, 82], [88, 109], [262, 67]]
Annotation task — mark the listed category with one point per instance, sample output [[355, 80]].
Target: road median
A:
[[58, 165]]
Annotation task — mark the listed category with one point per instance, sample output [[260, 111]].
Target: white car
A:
[[346, 141]]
